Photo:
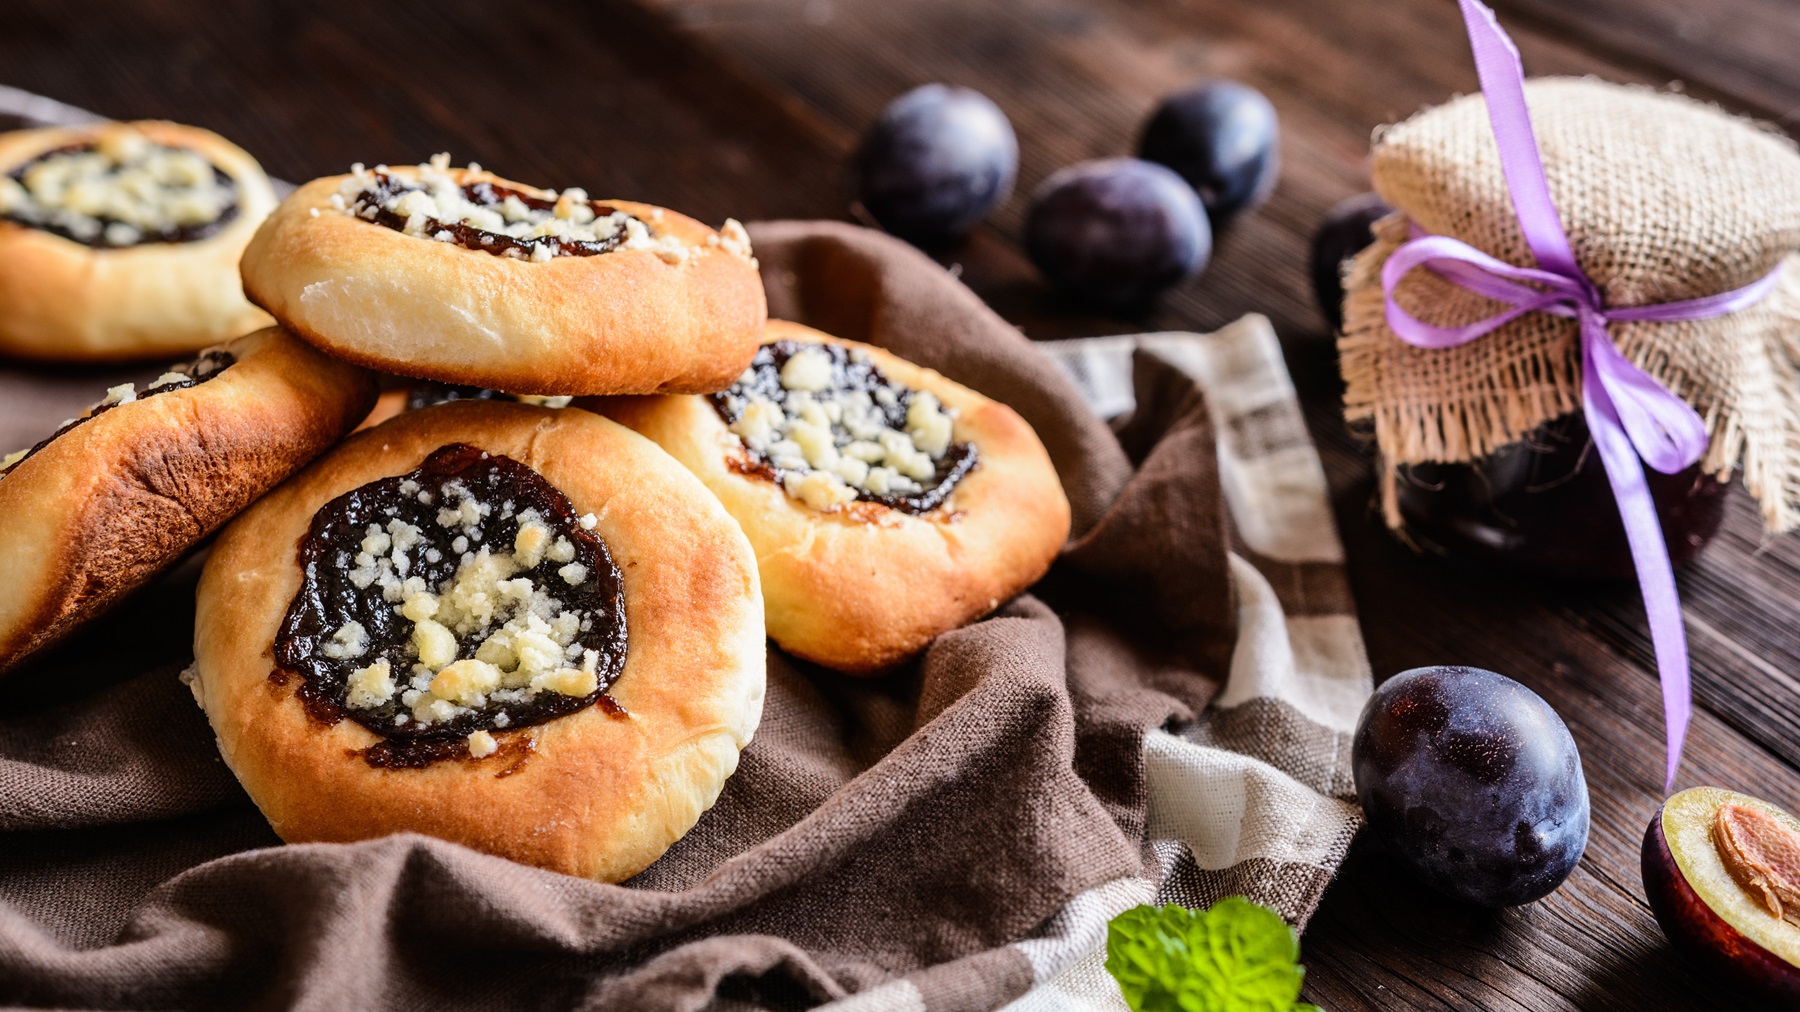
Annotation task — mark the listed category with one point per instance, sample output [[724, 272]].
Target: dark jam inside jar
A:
[[179, 377], [872, 413], [382, 203], [111, 199], [464, 597], [1544, 507]]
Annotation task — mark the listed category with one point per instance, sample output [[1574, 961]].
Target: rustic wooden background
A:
[[747, 108]]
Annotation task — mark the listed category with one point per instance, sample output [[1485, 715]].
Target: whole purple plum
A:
[[1347, 230], [1116, 231], [1474, 781], [1223, 138], [935, 163]]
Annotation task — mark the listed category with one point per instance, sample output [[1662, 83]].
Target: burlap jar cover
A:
[[1663, 199]]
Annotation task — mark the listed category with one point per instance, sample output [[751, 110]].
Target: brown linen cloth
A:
[[910, 826]]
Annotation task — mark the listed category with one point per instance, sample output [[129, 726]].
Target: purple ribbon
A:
[[1634, 419]]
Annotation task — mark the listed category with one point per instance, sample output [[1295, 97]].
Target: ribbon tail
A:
[[1668, 433], [1650, 553], [1502, 77]]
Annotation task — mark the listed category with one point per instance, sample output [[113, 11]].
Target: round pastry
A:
[[122, 240], [886, 503], [460, 276], [118, 494], [524, 630]]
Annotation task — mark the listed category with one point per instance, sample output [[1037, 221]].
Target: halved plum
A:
[[1721, 870]]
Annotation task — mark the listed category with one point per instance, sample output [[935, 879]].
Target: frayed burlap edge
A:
[[1754, 424]]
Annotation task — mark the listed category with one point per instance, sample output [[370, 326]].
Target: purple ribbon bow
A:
[[1632, 417]]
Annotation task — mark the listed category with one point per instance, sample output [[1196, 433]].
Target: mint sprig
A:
[[1234, 957]]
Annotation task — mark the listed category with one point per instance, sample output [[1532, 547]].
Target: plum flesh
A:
[[1474, 781], [1704, 909]]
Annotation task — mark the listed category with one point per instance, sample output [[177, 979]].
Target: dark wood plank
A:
[[598, 95], [1076, 80], [754, 120], [1742, 50]]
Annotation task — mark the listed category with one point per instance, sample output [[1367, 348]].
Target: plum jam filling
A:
[[825, 423], [492, 218], [444, 605], [177, 377], [427, 393], [124, 190]]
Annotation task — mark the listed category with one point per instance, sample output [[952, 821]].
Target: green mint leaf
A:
[[1234, 957]]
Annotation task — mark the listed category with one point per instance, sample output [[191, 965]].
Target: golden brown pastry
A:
[[460, 276], [122, 240], [122, 492], [886, 503], [521, 629]]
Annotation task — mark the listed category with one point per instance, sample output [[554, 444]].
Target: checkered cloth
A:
[[1254, 799]]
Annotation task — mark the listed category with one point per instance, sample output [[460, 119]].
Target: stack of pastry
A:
[[524, 608]]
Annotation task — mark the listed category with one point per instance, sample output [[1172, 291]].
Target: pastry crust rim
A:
[[599, 796], [133, 474], [61, 300], [619, 322], [1002, 526]]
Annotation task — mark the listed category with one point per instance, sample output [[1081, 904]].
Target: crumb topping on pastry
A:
[[123, 189], [831, 428], [496, 219], [209, 364], [463, 598]]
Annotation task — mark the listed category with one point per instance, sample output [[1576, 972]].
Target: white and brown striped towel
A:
[[1254, 798]]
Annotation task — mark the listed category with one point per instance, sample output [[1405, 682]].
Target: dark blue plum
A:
[[935, 163], [1347, 230], [1472, 779], [1224, 139], [1117, 231]]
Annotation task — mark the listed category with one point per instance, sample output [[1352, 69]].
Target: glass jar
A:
[[1543, 507]]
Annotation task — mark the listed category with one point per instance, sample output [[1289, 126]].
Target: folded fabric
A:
[[952, 836]]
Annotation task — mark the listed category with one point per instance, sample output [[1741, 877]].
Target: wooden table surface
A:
[[747, 108]]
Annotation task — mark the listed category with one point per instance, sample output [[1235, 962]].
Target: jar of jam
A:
[[1543, 507]]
